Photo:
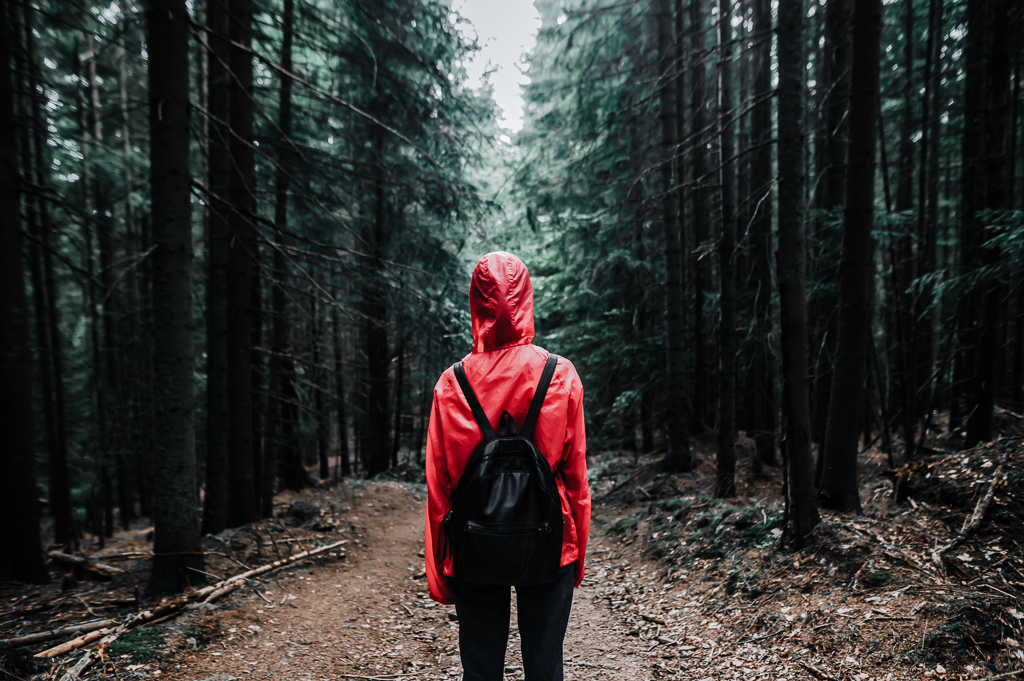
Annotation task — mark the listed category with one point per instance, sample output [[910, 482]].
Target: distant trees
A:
[[118, 300], [892, 318], [343, 173]]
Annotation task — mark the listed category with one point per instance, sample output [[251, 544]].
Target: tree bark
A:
[[980, 425], [283, 456], [764, 412], [339, 386], [374, 446], [48, 321], [801, 507], [176, 546], [242, 252], [699, 211], [725, 484], [679, 456], [831, 196], [215, 505], [396, 431], [837, 103], [318, 381], [22, 557], [927, 308], [972, 198], [839, 480]]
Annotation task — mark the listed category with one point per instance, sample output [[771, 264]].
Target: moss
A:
[[625, 523], [139, 644]]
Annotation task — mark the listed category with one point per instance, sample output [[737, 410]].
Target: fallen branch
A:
[[1002, 676], [972, 525], [101, 569], [74, 643], [209, 590], [622, 484], [51, 634], [192, 600], [87, 659]]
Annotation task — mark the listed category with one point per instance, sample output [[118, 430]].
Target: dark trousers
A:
[[484, 612]]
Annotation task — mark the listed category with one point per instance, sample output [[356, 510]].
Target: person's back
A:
[[504, 370]]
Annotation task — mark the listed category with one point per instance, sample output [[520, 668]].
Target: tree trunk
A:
[[46, 300], [318, 383], [256, 364], [997, 107], [905, 184], [283, 456], [679, 456], [831, 194], [839, 479], [177, 559], [972, 196], [837, 102], [903, 264], [764, 400], [396, 437], [801, 508], [22, 557], [242, 252], [700, 216], [215, 505], [375, 451], [927, 308], [339, 386], [725, 484]]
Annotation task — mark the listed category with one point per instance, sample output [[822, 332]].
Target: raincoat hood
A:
[[501, 302]]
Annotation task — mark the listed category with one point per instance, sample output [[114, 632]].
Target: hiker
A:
[[523, 517]]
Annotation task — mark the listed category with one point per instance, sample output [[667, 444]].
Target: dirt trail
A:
[[369, 615]]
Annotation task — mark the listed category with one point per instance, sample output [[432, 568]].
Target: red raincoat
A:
[[504, 369]]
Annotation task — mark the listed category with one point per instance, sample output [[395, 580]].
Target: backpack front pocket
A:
[[502, 553]]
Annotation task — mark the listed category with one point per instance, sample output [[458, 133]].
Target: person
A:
[[504, 369]]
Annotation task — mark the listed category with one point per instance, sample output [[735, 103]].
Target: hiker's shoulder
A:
[[565, 372]]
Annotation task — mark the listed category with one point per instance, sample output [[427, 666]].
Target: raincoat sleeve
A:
[[439, 491], [574, 472]]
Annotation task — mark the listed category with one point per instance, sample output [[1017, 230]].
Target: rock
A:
[[219, 677]]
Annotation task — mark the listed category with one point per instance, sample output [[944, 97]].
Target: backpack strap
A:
[[474, 404], [538, 397]]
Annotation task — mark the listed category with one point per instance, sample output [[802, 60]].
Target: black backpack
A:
[[505, 525]]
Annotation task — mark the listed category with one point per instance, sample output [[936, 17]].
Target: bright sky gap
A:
[[506, 31]]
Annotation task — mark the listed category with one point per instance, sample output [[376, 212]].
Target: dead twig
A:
[[972, 525], [817, 672]]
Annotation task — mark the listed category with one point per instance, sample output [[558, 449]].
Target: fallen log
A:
[[51, 634], [204, 595], [101, 569]]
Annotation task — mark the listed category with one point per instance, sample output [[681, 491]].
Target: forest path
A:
[[369, 614]]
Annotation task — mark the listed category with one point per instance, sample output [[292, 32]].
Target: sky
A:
[[506, 30]]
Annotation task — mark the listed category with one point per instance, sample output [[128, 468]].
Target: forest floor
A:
[[679, 586]]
